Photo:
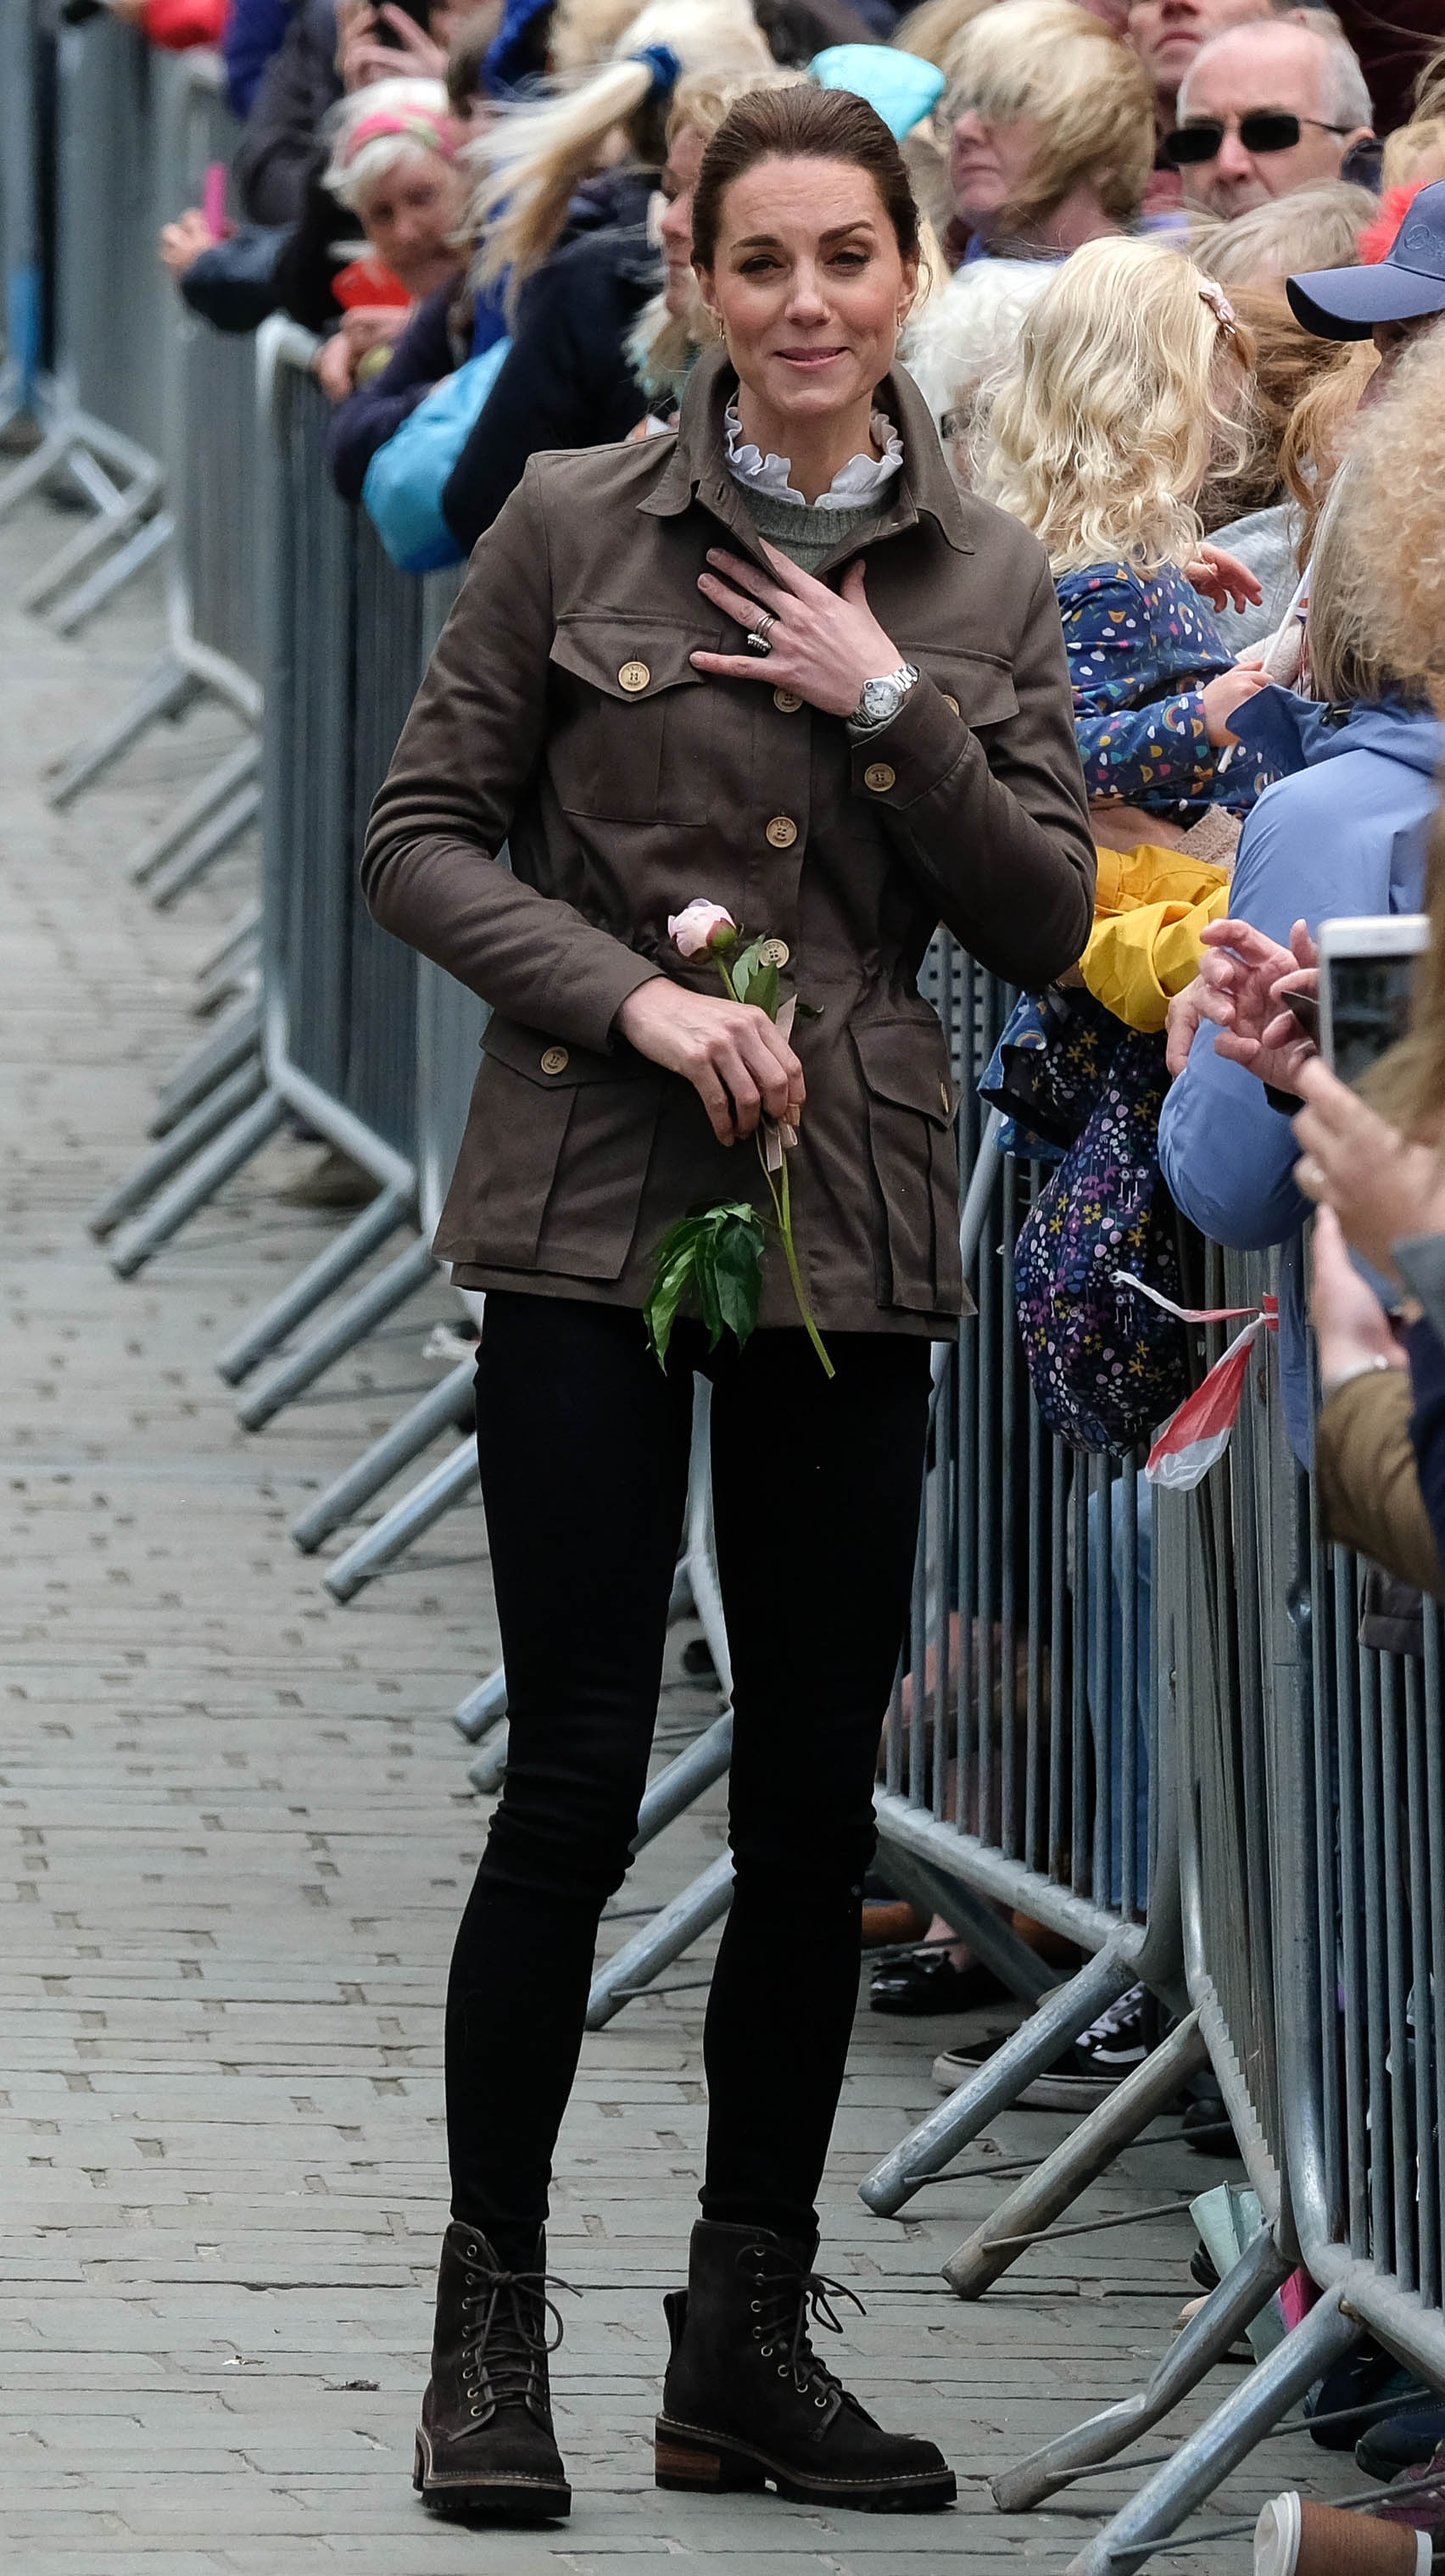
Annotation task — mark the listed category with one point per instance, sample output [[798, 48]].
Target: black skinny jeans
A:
[[583, 1443]]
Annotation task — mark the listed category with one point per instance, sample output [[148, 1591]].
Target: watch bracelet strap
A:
[[861, 727]]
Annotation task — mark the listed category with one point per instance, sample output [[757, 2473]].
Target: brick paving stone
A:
[[236, 1833]]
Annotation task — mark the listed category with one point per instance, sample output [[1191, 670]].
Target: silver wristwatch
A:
[[881, 701]]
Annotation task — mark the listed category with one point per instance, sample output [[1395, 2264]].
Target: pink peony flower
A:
[[702, 928]]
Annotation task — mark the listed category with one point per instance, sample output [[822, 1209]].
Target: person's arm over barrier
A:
[[466, 752], [1227, 1157], [1137, 738], [374, 413]]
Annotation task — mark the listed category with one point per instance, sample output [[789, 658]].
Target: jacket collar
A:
[[697, 467]]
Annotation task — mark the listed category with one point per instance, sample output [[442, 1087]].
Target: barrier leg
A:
[[664, 1939], [314, 1284], [188, 864], [209, 1172], [185, 1139], [1043, 2195], [341, 1332], [215, 788], [1197, 2467], [150, 539], [116, 516], [233, 949], [170, 689], [237, 1037], [1229, 2308], [450, 1483], [39, 465], [483, 1707], [448, 1403], [490, 1767], [695, 1769], [998, 2083]]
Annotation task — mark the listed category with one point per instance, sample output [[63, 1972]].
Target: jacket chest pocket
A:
[[556, 1154], [910, 1104], [632, 740], [978, 686]]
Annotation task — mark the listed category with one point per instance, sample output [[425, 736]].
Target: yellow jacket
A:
[[1150, 907]]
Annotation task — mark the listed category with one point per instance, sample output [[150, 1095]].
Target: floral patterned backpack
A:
[[1106, 1365]]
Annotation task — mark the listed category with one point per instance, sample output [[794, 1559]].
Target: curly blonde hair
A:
[[1127, 386]]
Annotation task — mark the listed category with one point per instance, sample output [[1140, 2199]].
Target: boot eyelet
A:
[[756, 2306], [782, 2370], [474, 2410], [820, 2401]]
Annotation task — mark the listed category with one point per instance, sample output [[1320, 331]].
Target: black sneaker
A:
[[1080, 2078], [930, 1983]]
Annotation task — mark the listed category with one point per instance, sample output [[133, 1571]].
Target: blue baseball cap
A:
[[1346, 303]]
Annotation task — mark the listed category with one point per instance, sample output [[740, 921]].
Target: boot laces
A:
[[505, 2332], [788, 2301]]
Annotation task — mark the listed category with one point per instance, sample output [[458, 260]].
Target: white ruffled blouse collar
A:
[[854, 483]]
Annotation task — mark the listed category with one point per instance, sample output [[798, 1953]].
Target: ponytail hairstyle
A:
[[534, 155]]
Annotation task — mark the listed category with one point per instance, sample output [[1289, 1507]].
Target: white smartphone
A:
[[1367, 977]]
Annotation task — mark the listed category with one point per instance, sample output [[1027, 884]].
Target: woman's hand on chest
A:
[[823, 643]]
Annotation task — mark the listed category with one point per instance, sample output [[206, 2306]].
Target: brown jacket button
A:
[[633, 676], [787, 701], [556, 1060], [879, 777], [782, 831], [951, 702], [774, 952]]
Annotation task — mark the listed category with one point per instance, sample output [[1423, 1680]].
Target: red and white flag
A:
[[1198, 1433]]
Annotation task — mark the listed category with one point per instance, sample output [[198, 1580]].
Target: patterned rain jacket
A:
[[1141, 647]]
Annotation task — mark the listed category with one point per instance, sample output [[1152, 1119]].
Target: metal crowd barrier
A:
[[205, 387], [98, 404]]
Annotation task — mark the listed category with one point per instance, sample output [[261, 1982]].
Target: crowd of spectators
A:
[[1183, 314]]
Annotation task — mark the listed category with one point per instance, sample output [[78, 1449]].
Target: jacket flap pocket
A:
[[552, 1065], [630, 659], [979, 686], [903, 1062]]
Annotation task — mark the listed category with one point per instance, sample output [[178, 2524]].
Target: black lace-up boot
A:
[[748, 2403], [485, 2444]]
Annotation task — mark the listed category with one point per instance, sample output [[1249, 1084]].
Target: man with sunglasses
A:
[[1263, 109]]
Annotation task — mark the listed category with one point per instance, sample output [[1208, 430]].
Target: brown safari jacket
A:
[[561, 714]]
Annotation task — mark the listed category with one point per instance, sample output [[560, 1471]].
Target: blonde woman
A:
[[533, 156], [1048, 127], [1132, 373]]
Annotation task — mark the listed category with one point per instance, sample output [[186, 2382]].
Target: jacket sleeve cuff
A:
[[911, 756], [587, 1002]]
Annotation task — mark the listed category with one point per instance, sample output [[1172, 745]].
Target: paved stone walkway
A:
[[236, 1831]]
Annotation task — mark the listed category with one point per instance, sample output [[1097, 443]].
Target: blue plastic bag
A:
[[405, 480]]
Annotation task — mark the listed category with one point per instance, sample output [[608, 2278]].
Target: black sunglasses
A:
[[1264, 129]]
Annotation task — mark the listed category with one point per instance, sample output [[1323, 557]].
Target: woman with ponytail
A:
[[535, 155], [774, 660]]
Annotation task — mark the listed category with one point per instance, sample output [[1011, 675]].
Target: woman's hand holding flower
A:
[[824, 644], [737, 1062]]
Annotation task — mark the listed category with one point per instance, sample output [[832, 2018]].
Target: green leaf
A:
[[739, 1273], [763, 991], [807, 1010], [745, 966], [707, 1293]]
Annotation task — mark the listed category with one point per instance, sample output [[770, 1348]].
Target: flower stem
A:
[[782, 1205]]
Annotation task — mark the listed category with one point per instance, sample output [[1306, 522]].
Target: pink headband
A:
[[434, 132]]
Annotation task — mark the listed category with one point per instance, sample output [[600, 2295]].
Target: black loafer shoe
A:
[[930, 1983]]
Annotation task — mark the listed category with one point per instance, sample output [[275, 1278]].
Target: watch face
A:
[[880, 698]]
